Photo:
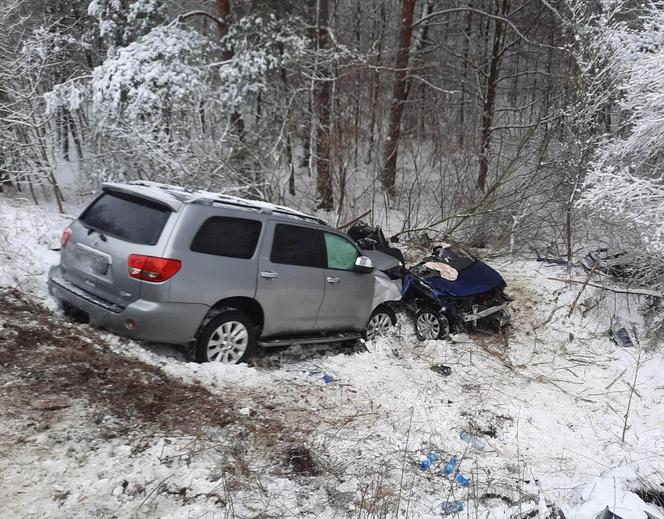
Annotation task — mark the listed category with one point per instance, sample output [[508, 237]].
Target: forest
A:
[[504, 124]]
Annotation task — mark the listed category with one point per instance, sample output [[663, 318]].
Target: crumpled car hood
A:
[[472, 281]]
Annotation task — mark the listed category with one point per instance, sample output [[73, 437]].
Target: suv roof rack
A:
[[187, 196]]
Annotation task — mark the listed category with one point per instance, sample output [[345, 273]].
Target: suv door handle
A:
[[269, 275], [332, 279]]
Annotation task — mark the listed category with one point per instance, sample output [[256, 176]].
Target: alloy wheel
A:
[[228, 343], [428, 326], [378, 325]]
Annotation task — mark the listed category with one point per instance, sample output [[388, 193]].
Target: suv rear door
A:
[[348, 294], [113, 226], [290, 279]]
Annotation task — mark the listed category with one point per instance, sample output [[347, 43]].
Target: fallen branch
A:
[[636, 291], [585, 284], [348, 224]]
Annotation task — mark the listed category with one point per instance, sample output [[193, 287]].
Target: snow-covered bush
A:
[[259, 45], [625, 182], [162, 70], [119, 24]]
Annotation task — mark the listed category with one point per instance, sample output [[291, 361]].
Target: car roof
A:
[[176, 197]]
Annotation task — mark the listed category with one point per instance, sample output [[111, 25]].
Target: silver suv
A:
[[163, 264]]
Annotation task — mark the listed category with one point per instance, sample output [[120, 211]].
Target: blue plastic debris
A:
[[450, 466], [472, 440], [426, 463], [462, 480], [451, 507], [325, 377]]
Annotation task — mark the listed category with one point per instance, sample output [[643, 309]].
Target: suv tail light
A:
[[64, 239], [149, 268]]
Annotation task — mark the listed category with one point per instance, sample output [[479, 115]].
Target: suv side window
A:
[[294, 245], [341, 253], [230, 237]]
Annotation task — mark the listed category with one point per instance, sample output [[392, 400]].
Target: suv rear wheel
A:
[[228, 338]]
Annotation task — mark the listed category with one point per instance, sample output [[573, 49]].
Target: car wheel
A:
[[381, 320], [228, 338], [430, 325]]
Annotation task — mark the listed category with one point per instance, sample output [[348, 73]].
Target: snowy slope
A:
[[547, 402]]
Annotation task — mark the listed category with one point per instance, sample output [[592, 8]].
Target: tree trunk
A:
[[323, 128], [398, 98], [224, 14], [467, 31], [375, 83], [490, 98]]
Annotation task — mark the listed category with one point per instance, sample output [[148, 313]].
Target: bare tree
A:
[[399, 93]]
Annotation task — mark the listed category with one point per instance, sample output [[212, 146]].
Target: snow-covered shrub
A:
[[162, 70], [119, 24], [625, 183], [260, 46]]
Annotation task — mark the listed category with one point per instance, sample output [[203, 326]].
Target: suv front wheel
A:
[[228, 338], [381, 320]]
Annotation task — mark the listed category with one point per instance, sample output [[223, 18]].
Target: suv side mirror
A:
[[363, 264]]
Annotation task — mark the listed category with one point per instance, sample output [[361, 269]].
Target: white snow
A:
[[553, 394]]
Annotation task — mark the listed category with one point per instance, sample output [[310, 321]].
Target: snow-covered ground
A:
[[545, 402]]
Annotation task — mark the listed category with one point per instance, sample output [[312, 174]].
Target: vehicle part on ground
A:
[[228, 338], [442, 370], [621, 337], [381, 320], [431, 325]]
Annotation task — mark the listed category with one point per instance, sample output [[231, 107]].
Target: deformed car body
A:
[[163, 264], [454, 290], [449, 290]]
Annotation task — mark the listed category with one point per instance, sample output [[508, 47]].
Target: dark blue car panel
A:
[[477, 279]]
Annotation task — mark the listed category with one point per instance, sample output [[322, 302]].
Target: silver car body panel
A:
[[386, 290]]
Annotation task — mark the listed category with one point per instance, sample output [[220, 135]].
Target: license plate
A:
[[92, 265]]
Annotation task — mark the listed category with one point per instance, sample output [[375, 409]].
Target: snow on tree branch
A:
[[626, 179]]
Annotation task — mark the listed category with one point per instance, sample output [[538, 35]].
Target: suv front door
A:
[[348, 294], [291, 279]]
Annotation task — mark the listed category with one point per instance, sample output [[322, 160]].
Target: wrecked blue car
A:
[[452, 291], [449, 291]]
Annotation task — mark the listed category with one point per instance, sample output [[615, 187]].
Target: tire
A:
[[430, 325], [382, 319], [228, 338]]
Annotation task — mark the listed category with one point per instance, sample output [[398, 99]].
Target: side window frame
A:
[[359, 252], [321, 260], [210, 219]]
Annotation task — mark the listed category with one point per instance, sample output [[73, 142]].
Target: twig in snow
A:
[[631, 395], [635, 291]]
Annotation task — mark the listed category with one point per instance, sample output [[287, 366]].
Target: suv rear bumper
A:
[[173, 323]]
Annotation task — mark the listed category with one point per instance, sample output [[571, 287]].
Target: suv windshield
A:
[[127, 217]]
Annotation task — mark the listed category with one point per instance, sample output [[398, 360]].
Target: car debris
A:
[[621, 337], [426, 462], [611, 262], [472, 440], [451, 507], [442, 370], [607, 514], [552, 261]]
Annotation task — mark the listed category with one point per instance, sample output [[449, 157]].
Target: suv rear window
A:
[[130, 218], [293, 245], [230, 237]]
